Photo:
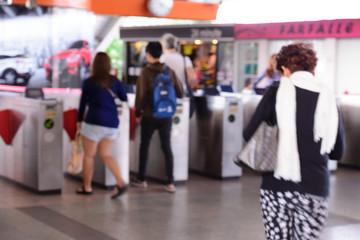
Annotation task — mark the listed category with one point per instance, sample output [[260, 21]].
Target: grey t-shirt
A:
[[176, 62]]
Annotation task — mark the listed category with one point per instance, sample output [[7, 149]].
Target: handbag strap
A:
[[115, 96], [269, 111], [189, 90], [112, 93]]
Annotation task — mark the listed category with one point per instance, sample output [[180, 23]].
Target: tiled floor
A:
[[203, 208]]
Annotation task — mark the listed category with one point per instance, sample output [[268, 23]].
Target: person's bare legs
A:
[[105, 151], [90, 148]]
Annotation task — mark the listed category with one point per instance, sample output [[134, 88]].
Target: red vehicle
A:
[[71, 62]]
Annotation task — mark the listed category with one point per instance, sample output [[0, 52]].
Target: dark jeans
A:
[[147, 130]]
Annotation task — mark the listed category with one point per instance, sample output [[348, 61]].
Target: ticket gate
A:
[[250, 102], [179, 146], [70, 105], [31, 144], [102, 176], [350, 113], [216, 136]]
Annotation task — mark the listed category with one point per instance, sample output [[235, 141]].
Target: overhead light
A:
[[215, 41], [198, 42]]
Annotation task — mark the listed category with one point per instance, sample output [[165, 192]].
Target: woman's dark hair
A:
[[101, 70], [298, 56], [154, 49]]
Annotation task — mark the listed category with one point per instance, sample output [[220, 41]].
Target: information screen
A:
[[34, 93]]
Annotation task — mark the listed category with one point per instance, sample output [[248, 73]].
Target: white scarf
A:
[[325, 123]]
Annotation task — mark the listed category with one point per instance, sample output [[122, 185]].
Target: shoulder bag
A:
[[260, 152], [77, 153]]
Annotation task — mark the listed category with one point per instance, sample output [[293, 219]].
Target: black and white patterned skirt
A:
[[292, 215]]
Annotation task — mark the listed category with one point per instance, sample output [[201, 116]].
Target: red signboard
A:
[[344, 28]]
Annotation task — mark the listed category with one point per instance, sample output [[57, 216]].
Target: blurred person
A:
[[294, 198], [211, 63], [271, 74], [226, 68], [198, 74], [178, 63], [99, 126], [144, 116]]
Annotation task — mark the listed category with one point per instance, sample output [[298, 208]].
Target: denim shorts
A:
[[97, 132]]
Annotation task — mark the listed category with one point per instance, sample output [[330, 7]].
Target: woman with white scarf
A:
[[294, 197]]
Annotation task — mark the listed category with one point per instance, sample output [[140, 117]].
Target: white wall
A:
[[338, 61], [348, 66]]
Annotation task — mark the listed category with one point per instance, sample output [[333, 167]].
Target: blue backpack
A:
[[164, 96]]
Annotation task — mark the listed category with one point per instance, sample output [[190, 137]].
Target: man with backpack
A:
[[156, 88]]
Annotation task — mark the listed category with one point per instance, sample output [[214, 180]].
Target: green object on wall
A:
[[115, 52]]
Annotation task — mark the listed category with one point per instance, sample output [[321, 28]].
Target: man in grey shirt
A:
[[177, 62]]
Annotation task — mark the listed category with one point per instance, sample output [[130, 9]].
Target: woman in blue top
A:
[[100, 127], [271, 73]]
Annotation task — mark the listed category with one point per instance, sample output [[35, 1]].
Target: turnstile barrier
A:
[[31, 155], [102, 176], [216, 136]]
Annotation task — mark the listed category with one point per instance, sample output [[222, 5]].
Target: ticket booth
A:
[[210, 48]]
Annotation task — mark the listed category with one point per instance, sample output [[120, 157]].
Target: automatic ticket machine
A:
[[179, 145], [216, 136], [209, 47], [31, 142]]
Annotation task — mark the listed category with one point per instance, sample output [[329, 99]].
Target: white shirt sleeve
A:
[[188, 62], [162, 58]]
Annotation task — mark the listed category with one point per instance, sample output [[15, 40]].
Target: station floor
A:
[[201, 209]]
